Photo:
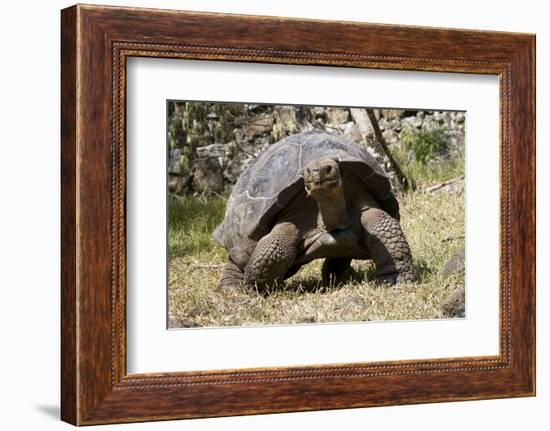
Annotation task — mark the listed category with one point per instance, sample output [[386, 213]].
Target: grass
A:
[[196, 264], [424, 158], [426, 175], [191, 221]]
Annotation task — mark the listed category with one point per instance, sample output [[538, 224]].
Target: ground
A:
[[433, 223]]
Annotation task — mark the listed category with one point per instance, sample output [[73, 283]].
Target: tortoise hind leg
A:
[[388, 247], [334, 270], [232, 277], [273, 257]]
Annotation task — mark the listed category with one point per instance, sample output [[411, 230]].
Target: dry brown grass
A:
[[196, 264]]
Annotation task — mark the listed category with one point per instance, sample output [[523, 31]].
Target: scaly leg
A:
[[232, 277], [387, 246], [272, 257]]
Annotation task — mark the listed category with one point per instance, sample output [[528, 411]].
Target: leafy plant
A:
[[424, 145], [421, 157]]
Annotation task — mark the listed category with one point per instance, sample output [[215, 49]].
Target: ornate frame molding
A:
[[96, 41]]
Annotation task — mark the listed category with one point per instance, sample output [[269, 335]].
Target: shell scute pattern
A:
[[275, 177]]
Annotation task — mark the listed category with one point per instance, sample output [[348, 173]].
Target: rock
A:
[[258, 125], [318, 111], [337, 115], [437, 115], [391, 114], [232, 171], [455, 264], [362, 121], [207, 176], [286, 115], [239, 135], [230, 149], [375, 154], [177, 184], [429, 124], [172, 184], [352, 132], [285, 122], [213, 150], [455, 304], [174, 162], [412, 121], [390, 137], [306, 126], [335, 128], [387, 124]]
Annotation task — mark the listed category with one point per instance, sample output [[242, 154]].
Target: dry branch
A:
[[200, 265], [444, 184], [452, 238]]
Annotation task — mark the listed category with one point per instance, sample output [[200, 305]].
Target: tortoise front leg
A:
[[232, 277], [273, 256], [387, 246]]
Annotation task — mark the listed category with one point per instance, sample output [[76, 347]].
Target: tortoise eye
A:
[[328, 169]]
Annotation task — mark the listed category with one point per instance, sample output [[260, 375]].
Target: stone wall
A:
[[211, 144]]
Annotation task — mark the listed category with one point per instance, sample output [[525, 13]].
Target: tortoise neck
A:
[[333, 210]]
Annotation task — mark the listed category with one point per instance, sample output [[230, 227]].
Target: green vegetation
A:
[[187, 123], [425, 145], [187, 127], [423, 157], [191, 221]]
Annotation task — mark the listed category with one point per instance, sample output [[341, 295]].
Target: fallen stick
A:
[[200, 265], [444, 183], [452, 238]]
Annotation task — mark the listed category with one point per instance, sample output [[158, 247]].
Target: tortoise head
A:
[[322, 178]]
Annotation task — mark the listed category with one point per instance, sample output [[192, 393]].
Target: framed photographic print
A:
[[263, 215]]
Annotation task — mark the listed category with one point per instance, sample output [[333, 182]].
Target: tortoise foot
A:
[[393, 279]]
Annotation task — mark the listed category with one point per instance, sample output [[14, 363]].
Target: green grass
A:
[[428, 164], [425, 175], [191, 221], [196, 264]]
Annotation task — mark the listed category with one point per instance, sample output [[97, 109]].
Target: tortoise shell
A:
[[276, 176]]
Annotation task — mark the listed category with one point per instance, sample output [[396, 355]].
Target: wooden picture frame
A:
[[95, 43]]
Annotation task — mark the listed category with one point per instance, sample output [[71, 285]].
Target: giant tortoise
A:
[[310, 196]]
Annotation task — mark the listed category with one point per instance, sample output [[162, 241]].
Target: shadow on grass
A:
[[362, 275], [315, 284]]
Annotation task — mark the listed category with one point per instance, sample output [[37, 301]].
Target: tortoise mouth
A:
[[317, 186]]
